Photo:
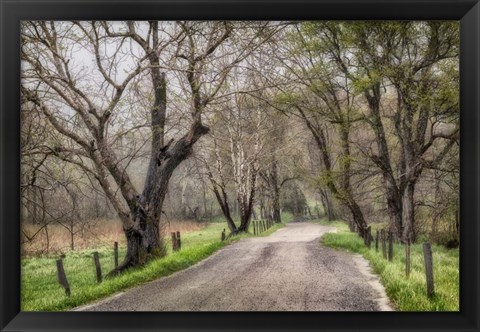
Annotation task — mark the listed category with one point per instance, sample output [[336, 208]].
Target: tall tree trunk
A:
[[358, 218], [275, 187], [254, 214], [235, 208], [395, 208], [142, 232], [277, 217], [222, 199], [144, 240], [327, 205], [262, 207], [408, 216], [247, 207], [132, 257], [382, 160], [347, 190]]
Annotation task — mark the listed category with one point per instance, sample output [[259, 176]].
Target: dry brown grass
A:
[[183, 226], [96, 233]]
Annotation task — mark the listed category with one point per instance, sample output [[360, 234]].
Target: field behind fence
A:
[[95, 233], [85, 270], [41, 290]]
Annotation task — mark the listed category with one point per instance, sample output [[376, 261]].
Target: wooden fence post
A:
[[179, 242], [427, 256], [384, 244], [376, 240], [62, 278], [407, 258], [390, 246], [223, 235], [115, 253], [174, 242], [98, 268]]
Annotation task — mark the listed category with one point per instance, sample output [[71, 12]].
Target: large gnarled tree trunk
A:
[[143, 233]]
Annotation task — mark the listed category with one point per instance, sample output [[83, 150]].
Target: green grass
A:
[[41, 291], [406, 294]]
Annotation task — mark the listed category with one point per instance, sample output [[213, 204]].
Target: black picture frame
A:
[[13, 11]]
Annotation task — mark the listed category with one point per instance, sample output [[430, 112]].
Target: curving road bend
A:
[[290, 270]]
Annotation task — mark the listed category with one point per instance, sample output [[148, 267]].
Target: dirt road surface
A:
[[290, 270]]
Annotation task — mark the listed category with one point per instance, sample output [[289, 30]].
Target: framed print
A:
[[239, 165]]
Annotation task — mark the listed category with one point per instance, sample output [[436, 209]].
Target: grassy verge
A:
[[406, 294], [41, 291]]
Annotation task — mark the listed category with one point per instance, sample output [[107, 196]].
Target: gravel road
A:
[[287, 271]]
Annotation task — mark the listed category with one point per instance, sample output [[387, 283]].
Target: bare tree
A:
[[125, 53], [238, 160]]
